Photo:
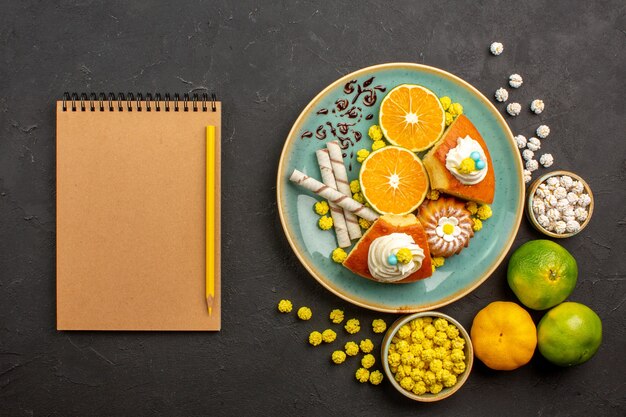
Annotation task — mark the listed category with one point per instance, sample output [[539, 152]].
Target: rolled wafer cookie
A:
[[336, 212], [343, 186], [333, 195]]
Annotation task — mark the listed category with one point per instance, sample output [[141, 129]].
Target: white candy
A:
[[515, 80], [572, 197], [537, 106], [521, 141], [568, 218], [577, 187], [527, 177], [572, 226], [566, 181], [539, 207], [496, 48], [562, 204], [584, 200], [540, 192], [543, 220], [560, 192], [553, 214], [543, 131], [569, 212], [546, 160], [513, 109], [553, 181], [501, 95], [533, 144], [581, 214], [532, 165], [560, 227], [528, 154], [552, 201]]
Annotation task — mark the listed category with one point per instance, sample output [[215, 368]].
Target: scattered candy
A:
[[366, 346], [546, 160], [533, 144], [515, 80], [325, 223], [537, 106], [532, 165], [362, 375], [496, 48], [315, 338], [379, 325], [521, 141], [365, 224], [336, 316], [361, 155], [475, 156], [375, 133], [377, 144], [527, 176], [355, 186], [376, 377], [501, 95], [368, 361], [528, 154], [351, 348], [392, 259], [338, 357], [513, 109], [445, 102], [285, 306], [321, 208], [484, 212], [352, 326], [480, 164], [543, 131], [305, 313], [329, 336], [339, 255], [478, 225]]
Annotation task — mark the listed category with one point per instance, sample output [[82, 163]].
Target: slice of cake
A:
[[393, 250], [460, 163]]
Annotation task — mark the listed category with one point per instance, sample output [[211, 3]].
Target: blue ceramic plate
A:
[[345, 110]]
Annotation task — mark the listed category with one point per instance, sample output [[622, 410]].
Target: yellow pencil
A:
[[210, 217]]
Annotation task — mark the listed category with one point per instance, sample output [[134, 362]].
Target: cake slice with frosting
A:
[[393, 250], [460, 163]]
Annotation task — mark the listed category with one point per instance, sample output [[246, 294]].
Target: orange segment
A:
[[411, 116], [393, 180]]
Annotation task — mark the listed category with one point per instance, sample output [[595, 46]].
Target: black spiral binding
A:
[[98, 102]]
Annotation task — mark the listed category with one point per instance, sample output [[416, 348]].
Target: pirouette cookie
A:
[[448, 225]]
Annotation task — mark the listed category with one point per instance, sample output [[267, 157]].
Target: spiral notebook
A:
[[131, 193]]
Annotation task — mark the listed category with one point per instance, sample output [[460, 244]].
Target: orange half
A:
[[411, 116], [393, 180]]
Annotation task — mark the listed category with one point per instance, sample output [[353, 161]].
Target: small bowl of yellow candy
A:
[[427, 356]]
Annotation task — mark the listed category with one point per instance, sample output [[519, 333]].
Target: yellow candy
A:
[[329, 336], [325, 222], [366, 346], [285, 306], [305, 313], [376, 377], [368, 361], [355, 187], [336, 316], [478, 224], [362, 375], [315, 338], [378, 144], [321, 208], [375, 133], [468, 165], [362, 154], [339, 255], [379, 325], [404, 256], [352, 349], [438, 261], [364, 223], [445, 102], [484, 212], [352, 326], [338, 357], [472, 207]]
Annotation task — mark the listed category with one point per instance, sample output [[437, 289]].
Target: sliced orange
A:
[[411, 116], [393, 180]]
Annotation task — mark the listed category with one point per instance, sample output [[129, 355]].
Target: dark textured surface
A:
[[266, 62]]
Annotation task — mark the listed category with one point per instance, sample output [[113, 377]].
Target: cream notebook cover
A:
[[131, 177]]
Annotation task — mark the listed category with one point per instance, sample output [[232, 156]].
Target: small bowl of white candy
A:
[[560, 204]]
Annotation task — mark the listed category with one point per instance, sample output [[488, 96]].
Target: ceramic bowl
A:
[[529, 203], [446, 392]]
